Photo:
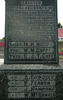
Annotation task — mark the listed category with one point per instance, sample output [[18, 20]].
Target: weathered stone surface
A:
[[29, 66], [31, 82], [31, 31], [31, 37]]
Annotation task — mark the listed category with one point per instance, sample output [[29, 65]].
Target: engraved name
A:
[[31, 2]]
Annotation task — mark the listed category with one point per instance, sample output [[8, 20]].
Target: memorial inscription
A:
[[31, 85], [31, 31]]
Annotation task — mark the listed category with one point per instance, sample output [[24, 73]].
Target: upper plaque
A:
[[31, 31]]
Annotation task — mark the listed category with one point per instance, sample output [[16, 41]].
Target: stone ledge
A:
[[29, 66]]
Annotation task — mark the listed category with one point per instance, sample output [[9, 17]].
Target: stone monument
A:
[[31, 70], [31, 32]]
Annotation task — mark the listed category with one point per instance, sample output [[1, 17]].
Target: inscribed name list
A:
[[31, 31]]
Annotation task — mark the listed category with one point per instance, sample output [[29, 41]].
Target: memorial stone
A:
[[23, 82], [31, 70], [31, 31]]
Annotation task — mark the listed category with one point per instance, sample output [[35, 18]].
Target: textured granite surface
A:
[[48, 77], [29, 66]]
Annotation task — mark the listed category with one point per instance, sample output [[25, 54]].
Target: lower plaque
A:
[[32, 85]]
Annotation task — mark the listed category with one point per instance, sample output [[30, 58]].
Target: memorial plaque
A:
[[31, 85], [31, 31]]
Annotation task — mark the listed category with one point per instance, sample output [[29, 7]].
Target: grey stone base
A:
[[31, 82], [29, 66]]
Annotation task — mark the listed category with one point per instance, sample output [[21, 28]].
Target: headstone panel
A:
[[31, 85], [31, 31]]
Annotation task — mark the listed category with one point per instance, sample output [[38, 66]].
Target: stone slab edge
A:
[[29, 66]]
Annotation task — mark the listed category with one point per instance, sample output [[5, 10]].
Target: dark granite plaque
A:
[[31, 85], [31, 31]]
